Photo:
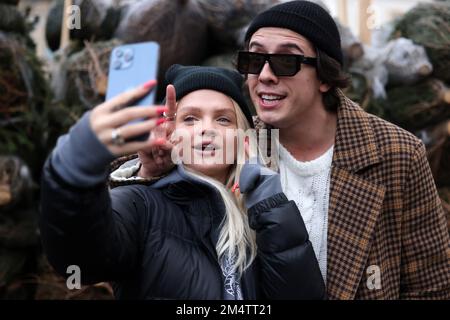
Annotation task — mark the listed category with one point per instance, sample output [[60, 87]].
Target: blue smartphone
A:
[[130, 66]]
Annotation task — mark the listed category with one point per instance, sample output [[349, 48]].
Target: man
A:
[[363, 186]]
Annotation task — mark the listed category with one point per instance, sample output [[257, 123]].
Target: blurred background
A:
[[397, 51]]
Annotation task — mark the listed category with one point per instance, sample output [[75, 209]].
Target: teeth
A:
[[270, 97], [208, 147]]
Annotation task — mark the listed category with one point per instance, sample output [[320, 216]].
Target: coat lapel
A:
[[355, 202]]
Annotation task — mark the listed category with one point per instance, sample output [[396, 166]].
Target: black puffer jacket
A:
[[156, 241]]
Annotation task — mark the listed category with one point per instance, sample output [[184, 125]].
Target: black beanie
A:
[[191, 78], [307, 19]]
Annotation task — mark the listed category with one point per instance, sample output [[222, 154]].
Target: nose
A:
[[206, 128], [266, 75], [209, 132]]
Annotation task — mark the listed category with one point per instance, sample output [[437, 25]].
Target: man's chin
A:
[[272, 119]]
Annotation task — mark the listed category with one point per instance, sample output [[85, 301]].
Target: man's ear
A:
[[324, 87]]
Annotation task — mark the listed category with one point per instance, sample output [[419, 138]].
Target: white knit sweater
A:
[[308, 185]]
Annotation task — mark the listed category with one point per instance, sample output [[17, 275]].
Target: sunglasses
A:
[[281, 64]]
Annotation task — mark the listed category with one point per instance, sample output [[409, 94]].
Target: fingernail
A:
[[160, 141], [236, 186], [161, 110], [160, 120], [149, 84]]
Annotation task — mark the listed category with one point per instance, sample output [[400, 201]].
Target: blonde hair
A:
[[236, 239]]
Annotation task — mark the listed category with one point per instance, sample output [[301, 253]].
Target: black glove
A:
[[258, 183]]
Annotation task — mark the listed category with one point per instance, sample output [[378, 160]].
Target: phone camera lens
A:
[[119, 53], [117, 64], [128, 55]]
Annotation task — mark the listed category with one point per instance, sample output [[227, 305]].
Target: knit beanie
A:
[[191, 78], [307, 19]]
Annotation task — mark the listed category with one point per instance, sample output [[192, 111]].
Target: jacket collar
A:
[[177, 175], [355, 144], [183, 188], [355, 201], [186, 184]]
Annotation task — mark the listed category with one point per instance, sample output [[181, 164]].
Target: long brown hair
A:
[[329, 71]]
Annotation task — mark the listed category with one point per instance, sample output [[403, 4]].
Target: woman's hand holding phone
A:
[[110, 121]]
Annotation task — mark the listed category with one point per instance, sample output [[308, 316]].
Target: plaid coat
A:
[[385, 218]]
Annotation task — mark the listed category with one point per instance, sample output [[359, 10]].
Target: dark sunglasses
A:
[[281, 64]]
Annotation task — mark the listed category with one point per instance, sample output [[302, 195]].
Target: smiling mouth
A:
[[270, 98]]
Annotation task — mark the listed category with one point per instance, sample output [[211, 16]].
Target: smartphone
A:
[[130, 66]]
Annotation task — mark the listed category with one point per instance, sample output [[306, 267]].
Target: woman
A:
[[186, 236]]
